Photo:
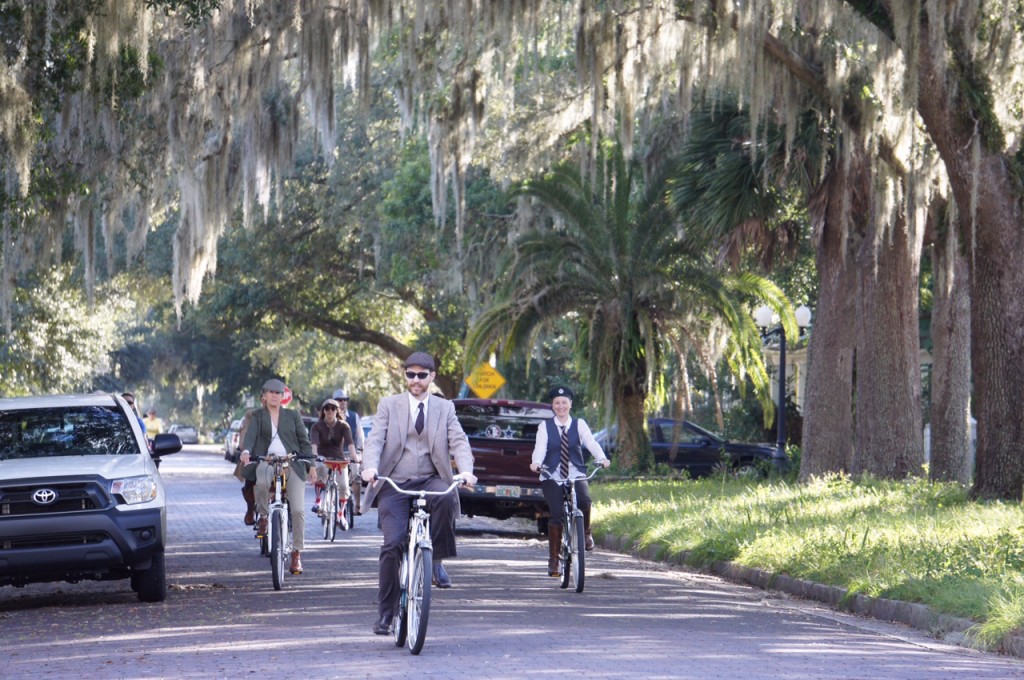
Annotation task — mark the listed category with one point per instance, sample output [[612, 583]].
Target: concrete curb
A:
[[951, 629]]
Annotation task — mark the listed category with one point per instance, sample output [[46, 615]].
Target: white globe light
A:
[[763, 316], [803, 316]]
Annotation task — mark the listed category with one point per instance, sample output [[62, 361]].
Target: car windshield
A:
[[501, 421], [65, 431]]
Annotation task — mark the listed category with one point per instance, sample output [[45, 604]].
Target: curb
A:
[[951, 629]]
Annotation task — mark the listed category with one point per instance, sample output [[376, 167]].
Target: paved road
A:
[[503, 619]]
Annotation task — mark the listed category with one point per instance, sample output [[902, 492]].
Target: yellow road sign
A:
[[485, 381]]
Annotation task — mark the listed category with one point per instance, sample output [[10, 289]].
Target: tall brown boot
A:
[[588, 538], [249, 494], [554, 546]]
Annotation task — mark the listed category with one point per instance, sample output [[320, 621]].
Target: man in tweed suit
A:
[[414, 439]]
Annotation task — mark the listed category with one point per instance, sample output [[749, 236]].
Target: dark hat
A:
[[420, 359], [273, 385], [339, 394], [560, 392]]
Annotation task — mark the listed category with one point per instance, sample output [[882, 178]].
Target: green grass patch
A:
[[915, 541]]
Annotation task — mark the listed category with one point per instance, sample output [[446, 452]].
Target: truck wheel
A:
[[151, 584]]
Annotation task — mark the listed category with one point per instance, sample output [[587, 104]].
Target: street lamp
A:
[[765, 317]]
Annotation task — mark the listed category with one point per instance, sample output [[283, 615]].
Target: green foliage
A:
[[59, 342]]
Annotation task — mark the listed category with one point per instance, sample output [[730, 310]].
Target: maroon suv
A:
[[502, 434]]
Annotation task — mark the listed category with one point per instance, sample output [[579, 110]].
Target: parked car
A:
[[231, 441], [501, 435], [186, 433], [81, 495], [687, 446]]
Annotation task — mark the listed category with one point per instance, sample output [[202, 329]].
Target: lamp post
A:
[[764, 317]]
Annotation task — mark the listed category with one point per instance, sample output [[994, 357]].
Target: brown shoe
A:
[[588, 541], [262, 529], [250, 517], [296, 567], [250, 505]]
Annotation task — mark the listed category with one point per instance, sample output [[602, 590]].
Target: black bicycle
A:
[[571, 556], [417, 568]]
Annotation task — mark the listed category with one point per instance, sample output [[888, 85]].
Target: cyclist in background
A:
[[559, 448], [280, 431], [331, 437], [354, 468]]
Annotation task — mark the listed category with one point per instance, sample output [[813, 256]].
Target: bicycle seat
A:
[[336, 464]]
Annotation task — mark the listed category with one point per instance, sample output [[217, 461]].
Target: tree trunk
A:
[[951, 364], [889, 441], [828, 404], [989, 203], [634, 445]]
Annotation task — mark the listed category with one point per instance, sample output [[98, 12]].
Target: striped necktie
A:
[[563, 466]]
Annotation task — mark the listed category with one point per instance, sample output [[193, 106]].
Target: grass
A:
[[914, 541]]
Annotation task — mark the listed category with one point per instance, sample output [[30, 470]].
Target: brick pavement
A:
[[503, 619]]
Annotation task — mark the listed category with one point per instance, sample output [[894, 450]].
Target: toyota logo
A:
[[44, 496]]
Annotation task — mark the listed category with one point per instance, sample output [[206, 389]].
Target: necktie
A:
[[419, 420], [563, 466]]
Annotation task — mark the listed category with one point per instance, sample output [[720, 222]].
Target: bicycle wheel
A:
[[578, 563], [402, 617], [565, 552], [328, 508], [277, 547], [419, 598]]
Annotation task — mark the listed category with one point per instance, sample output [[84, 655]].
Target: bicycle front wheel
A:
[[419, 598], [277, 547], [328, 511], [578, 563]]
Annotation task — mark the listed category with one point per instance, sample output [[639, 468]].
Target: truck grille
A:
[[26, 500], [51, 541]]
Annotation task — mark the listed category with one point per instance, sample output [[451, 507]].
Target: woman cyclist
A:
[[331, 437], [559, 448]]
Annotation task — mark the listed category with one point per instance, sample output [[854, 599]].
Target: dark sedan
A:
[[688, 446]]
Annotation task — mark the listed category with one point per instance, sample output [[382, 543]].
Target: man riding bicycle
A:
[[559, 448], [331, 438], [415, 438], [279, 431]]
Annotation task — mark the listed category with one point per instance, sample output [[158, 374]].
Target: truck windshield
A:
[[65, 431]]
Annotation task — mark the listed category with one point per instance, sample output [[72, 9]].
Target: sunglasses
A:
[[330, 408], [422, 375]]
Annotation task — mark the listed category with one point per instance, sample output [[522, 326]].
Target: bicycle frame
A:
[[279, 537], [416, 569]]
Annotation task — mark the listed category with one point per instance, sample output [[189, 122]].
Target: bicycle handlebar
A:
[[457, 481], [545, 472]]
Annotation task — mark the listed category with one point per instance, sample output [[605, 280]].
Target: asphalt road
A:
[[504, 618]]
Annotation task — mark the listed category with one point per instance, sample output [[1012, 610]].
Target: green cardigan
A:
[[290, 429]]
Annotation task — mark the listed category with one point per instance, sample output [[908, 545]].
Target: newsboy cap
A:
[[420, 359], [273, 385], [560, 392]]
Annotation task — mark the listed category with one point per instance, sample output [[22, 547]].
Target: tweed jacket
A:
[[290, 429], [386, 442]]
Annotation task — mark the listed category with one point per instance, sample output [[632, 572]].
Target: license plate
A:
[[507, 491]]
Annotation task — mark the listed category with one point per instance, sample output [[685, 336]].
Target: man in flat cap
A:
[[415, 437], [559, 449], [280, 431]]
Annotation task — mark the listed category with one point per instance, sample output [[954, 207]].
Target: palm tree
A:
[[616, 266]]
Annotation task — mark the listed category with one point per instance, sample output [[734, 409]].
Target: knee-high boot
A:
[[554, 546], [249, 494], [588, 538]]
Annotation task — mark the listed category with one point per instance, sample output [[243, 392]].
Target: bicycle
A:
[[572, 563], [334, 510], [417, 568], [277, 543]]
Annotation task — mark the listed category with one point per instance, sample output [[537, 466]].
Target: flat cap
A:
[[560, 392], [273, 385], [420, 359]]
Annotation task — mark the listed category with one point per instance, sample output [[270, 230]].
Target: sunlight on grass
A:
[[913, 541]]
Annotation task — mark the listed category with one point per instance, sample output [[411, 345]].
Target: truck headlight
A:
[[135, 489]]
